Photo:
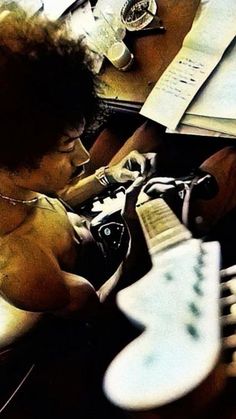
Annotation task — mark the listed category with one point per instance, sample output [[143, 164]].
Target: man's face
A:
[[59, 167]]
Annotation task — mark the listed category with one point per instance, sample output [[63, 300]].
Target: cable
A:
[[17, 388]]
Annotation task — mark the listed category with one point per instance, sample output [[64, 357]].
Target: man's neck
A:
[[12, 213], [11, 217], [10, 189]]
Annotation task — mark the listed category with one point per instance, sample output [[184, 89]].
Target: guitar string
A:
[[17, 388]]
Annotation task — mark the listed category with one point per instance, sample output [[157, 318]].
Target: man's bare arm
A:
[[38, 284], [80, 190]]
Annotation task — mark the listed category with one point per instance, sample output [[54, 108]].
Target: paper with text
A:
[[202, 50]]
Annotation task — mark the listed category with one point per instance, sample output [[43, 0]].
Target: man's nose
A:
[[81, 155]]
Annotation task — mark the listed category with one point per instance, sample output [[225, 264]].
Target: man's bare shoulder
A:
[[30, 277]]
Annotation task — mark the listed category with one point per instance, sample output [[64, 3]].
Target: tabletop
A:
[[152, 53]]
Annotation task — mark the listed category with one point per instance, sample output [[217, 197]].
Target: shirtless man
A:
[[48, 94]]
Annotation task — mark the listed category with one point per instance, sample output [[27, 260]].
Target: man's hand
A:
[[131, 167], [159, 185], [131, 197]]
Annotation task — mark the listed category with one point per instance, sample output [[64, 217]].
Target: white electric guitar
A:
[[176, 307]]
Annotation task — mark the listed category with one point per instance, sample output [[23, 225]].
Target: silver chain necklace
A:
[[14, 201]]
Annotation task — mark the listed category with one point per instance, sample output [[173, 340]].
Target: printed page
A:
[[202, 50]]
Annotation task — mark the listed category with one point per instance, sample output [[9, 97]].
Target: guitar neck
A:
[[161, 227]]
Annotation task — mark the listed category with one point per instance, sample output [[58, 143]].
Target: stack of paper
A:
[[214, 107], [198, 88]]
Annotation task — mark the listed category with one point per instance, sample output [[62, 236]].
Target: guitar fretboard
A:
[[161, 227]]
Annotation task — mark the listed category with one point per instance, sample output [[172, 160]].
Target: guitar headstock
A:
[[228, 318], [176, 306]]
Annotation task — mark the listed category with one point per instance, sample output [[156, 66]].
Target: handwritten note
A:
[[202, 50]]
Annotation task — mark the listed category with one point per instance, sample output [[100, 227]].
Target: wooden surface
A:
[[152, 53]]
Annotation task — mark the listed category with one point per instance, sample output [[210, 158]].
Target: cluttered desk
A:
[[180, 66], [153, 51]]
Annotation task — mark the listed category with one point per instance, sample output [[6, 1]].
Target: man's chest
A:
[[46, 232]]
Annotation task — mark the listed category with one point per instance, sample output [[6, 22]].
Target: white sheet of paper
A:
[[202, 50], [53, 9], [30, 6], [218, 98], [227, 126], [81, 20], [190, 130]]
